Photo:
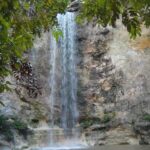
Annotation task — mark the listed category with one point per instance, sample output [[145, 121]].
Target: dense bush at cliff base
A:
[[10, 125]]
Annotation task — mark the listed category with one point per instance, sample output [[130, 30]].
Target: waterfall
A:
[[69, 78], [62, 131], [63, 76]]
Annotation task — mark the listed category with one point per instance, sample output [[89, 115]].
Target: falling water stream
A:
[[69, 112], [63, 82]]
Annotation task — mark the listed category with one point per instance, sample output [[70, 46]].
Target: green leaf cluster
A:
[[8, 125], [146, 117], [20, 22], [87, 122], [133, 13]]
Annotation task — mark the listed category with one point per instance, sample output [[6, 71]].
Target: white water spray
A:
[[63, 84]]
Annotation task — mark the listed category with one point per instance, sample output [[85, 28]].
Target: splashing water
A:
[[69, 77], [63, 82]]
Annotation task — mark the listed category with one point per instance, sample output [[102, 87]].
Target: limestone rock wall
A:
[[113, 92]]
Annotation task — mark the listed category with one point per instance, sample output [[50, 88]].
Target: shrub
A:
[[146, 117], [87, 122], [8, 125], [5, 128], [108, 117], [21, 127]]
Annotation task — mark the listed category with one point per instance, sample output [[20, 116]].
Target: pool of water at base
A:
[[111, 147]]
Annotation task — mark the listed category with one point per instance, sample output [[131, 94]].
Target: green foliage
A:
[[56, 32], [5, 128], [21, 127], [8, 125], [18, 124], [4, 85], [87, 122], [20, 22], [146, 117], [106, 12], [108, 117]]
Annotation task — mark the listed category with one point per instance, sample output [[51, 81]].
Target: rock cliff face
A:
[[28, 100], [113, 88], [113, 92]]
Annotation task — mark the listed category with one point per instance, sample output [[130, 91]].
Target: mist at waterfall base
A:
[[63, 85]]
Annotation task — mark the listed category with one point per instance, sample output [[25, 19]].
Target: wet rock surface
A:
[[74, 6], [113, 86]]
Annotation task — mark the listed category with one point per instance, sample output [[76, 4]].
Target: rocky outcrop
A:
[[113, 85], [74, 6]]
